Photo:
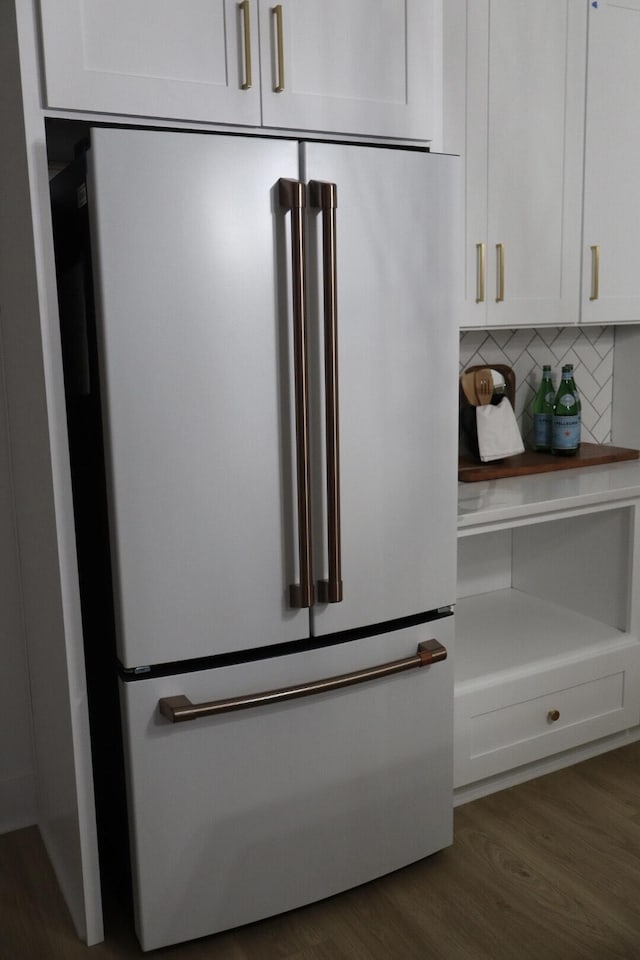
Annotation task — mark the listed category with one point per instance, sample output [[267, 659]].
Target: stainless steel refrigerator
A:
[[276, 351]]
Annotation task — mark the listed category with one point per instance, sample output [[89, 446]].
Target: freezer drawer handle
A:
[[293, 197], [181, 708], [324, 196]]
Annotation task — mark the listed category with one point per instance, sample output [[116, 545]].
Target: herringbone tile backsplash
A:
[[589, 349]]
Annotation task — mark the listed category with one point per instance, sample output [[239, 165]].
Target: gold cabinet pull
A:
[[553, 715], [277, 13], [500, 283], [595, 273], [246, 29], [324, 196], [180, 708], [292, 196], [480, 271]]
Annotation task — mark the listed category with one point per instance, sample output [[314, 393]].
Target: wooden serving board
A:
[[589, 455]]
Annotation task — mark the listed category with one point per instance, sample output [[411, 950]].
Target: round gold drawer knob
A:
[[553, 715]]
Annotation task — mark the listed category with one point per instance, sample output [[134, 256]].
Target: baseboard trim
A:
[[510, 778]]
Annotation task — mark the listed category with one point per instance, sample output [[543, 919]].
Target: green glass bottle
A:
[[566, 422], [543, 411]]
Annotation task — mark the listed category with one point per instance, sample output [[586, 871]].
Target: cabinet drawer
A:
[[518, 719]]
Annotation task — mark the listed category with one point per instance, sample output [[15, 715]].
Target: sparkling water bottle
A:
[[543, 411], [566, 421]]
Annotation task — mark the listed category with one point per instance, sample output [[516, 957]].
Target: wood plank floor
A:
[[547, 870]]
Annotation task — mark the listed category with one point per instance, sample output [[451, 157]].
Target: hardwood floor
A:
[[547, 870]]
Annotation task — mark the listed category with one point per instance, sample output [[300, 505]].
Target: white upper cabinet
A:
[[354, 67], [611, 236], [514, 107], [183, 60], [324, 65]]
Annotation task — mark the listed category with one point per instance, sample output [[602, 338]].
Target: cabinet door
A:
[[517, 118], [354, 68], [181, 59], [611, 278]]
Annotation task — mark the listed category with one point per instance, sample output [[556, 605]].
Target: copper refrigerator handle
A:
[[180, 708], [292, 195], [324, 196]]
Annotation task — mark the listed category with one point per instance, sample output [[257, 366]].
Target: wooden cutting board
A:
[[589, 455]]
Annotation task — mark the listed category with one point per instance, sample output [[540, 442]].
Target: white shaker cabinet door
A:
[[354, 68], [179, 59], [515, 107], [611, 238], [193, 332]]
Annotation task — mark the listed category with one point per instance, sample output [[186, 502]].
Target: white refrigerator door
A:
[[396, 221], [194, 351], [244, 815]]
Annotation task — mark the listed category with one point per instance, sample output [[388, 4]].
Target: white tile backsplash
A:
[[589, 349]]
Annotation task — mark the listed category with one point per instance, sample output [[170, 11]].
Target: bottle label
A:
[[566, 400], [542, 429], [550, 397], [566, 433]]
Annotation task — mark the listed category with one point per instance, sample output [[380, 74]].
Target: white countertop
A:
[[489, 503]]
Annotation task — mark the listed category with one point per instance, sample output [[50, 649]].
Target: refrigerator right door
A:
[[396, 221]]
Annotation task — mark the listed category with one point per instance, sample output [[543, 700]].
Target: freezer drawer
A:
[[244, 815]]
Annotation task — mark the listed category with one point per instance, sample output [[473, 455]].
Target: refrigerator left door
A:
[[191, 260]]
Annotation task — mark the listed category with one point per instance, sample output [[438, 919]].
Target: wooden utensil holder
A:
[[468, 431]]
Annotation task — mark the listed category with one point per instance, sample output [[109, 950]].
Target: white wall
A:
[[17, 782], [35, 407], [626, 387]]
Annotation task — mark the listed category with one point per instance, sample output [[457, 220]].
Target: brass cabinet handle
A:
[[480, 272], [595, 273], [292, 195], [500, 284], [277, 13], [324, 196], [553, 715], [246, 23], [180, 708]]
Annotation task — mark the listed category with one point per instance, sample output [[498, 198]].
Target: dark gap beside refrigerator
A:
[[84, 424]]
